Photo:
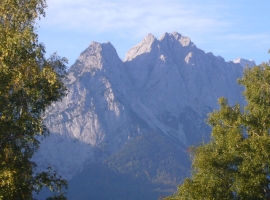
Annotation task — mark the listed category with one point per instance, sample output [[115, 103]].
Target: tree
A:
[[28, 84], [235, 163]]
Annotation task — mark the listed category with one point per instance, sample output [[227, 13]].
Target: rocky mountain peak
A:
[[245, 62], [164, 86], [166, 44], [149, 38], [91, 59], [176, 37], [141, 48], [99, 59]]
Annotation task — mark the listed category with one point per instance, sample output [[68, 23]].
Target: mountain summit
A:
[[164, 86]]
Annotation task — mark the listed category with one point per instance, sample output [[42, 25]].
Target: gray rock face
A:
[[93, 120], [164, 85], [171, 74], [245, 62]]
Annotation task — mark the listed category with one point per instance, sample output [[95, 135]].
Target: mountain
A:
[[245, 62], [135, 118]]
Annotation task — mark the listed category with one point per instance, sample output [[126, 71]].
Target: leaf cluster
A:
[[29, 83]]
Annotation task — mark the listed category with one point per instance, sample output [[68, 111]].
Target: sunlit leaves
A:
[[28, 84]]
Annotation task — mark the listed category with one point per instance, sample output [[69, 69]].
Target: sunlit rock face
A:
[[245, 62], [170, 74], [92, 121], [164, 85]]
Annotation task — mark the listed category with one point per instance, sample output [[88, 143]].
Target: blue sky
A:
[[229, 28]]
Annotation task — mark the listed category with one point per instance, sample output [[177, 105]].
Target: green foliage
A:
[[235, 163], [28, 84], [152, 157]]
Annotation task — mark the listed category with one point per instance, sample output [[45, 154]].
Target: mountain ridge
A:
[[164, 85]]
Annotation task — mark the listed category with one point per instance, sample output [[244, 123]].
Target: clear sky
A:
[[229, 28]]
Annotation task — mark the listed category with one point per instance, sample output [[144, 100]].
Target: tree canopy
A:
[[235, 163], [29, 83]]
